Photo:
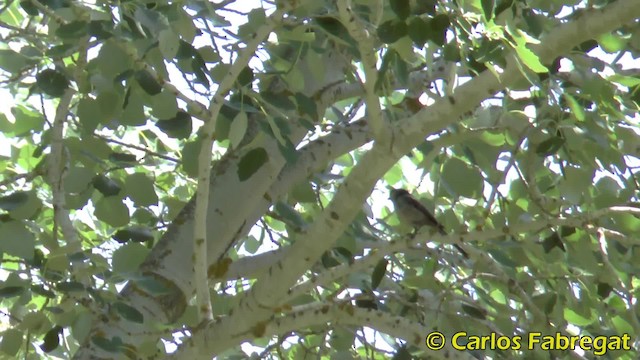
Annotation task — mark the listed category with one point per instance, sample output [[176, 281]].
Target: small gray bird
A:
[[410, 211]]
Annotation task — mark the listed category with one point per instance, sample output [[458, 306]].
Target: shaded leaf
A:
[[129, 312], [251, 162], [179, 126], [14, 200], [106, 186], [402, 8], [135, 234], [148, 82], [51, 339], [378, 273], [550, 146], [52, 82], [392, 30], [11, 291]]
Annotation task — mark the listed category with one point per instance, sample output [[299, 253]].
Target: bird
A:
[[411, 212]]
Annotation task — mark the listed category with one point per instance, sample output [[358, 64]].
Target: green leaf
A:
[[11, 342], [51, 339], [106, 186], [550, 146], [576, 109], [576, 319], [238, 129], [110, 345], [169, 44], [418, 31], [78, 179], [134, 234], [26, 121], [164, 105], [530, 59], [487, 8], [128, 258], [378, 273], [245, 77], [147, 82], [189, 156], [70, 286], [112, 211], [128, 312], [402, 8], [11, 291], [52, 82], [13, 62], [29, 8], [251, 162], [109, 103], [461, 179], [392, 30], [474, 311], [72, 30], [141, 190], [439, 26], [179, 126], [14, 200], [123, 158], [151, 19], [90, 114], [16, 240]]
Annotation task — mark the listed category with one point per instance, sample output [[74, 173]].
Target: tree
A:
[[186, 177]]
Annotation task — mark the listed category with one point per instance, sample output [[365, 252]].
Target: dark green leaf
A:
[[418, 30], [147, 82], [52, 82], [378, 273], [40, 290], [487, 8], [474, 311], [153, 20], [72, 30], [11, 291], [245, 77], [29, 8], [179, 126], [135, 234], [279, 101], [402, 8], [100, 29], [402, 354], [153, 286], [106, 344], [333, 26], [392, 30], [51, 339], [128, 312], [251, 162], [307, 106], [106, 186], [13, 201], [122, 157], [549, 146], [70, 286], [552, 242], [604, 290], [439, 26]]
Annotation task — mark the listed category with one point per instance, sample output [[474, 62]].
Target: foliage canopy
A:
[[517, 120]]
